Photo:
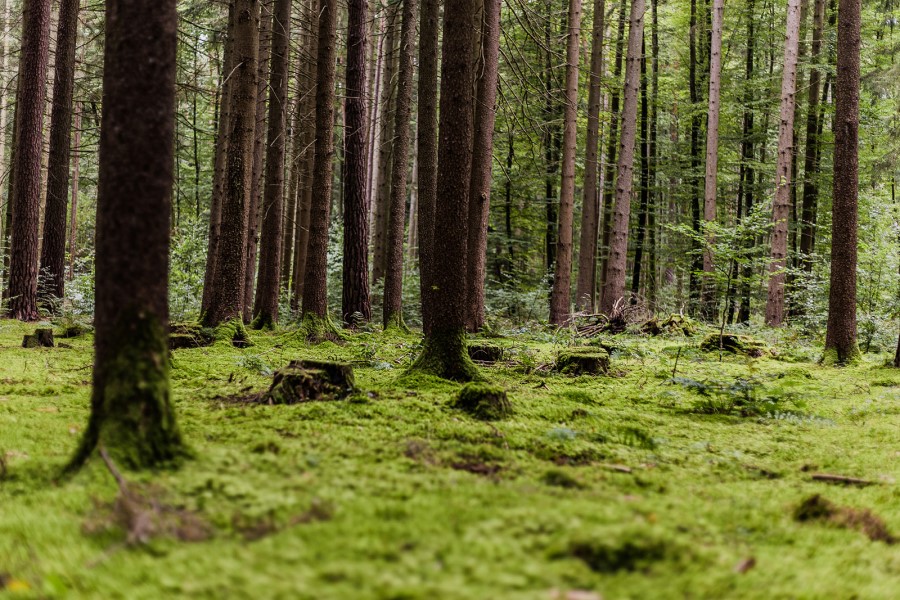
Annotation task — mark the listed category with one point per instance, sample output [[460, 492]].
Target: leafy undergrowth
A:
[[633, 485]]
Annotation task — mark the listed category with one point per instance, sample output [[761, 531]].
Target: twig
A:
[[678, 356], [841, 479]]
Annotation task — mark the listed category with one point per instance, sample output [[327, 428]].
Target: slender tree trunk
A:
[[590, 211], [560, 302], [644, 190], [226, 301], [315, 289], [26, 190], [375, 108], [295, 160], [73, 218], [131, 410], [811, 156], [782, 205], [614, 287], [747, 179], [259, 155], [427, 150], [712, 156], [651, 276], [265, 310], [694, 177], [482, 163], [444, 353], [840, 339], [551, 135]]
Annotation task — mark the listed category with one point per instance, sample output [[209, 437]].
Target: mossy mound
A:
[[310, 380], [583, 361], [486, 353], [673, 324], [41, 338], [483, 401], [605, 343], [189, 335], [74, 330], [234, 332], [735, 344]]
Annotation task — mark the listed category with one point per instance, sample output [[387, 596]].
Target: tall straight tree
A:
[[712, 154], [226, 297], [393, 281], [782, 205], [590, 211], [560, 304], [444, 352], [840, 339], [131, 410], [614, 286], [265, 311], [315, 288], [355, 293], [53, 248], [427, 148], [25, 188], [482, 161]]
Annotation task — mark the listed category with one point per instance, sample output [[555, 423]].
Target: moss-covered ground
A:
[[631, 485]]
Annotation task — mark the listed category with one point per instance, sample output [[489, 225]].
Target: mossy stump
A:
[[486, 353], [189, 335], [735, 344], [310, 380], [483, 401], [72, 331], [583, 361], [677, 324], [41, 338], [232, 331]]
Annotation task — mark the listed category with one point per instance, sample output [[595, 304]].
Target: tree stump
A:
[[583, 361], [483, 401], [310, 380], [735, 344], [41, 338], [486, 353], [73, 331], [189, 335]]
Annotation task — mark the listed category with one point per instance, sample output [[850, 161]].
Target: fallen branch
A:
[[841, 479]]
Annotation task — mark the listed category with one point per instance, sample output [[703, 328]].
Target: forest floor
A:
[[631, 485]]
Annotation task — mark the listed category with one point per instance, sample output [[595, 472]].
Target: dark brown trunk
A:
[[427, 149], [73, 218], [811, 156], [644, 190]]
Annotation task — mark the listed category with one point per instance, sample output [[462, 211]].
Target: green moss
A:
[[316, 329], [483, 401], [831, 357], [396, 323], [263, 322], [233, 332], [444, 355]]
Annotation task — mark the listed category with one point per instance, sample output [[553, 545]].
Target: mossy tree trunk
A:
[[131, 411]]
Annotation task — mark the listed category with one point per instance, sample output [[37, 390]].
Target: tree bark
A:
[[782, 204], [560, 296], [131, 410], [226, 302], [265, 311], [590, 211], [26, 188], [73, 218], [840, 338], [811, 156], [482, 163], [644, 187], [614, 287]]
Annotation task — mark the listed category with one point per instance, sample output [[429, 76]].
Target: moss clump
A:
[[318, 329], [263, 322], [189, 335], [817, 508], [832, 357], [395, 323], [486, 353], [637, 551], [233, 332], [583, 361], [483, 401], [309, 380], [735, 344], [41, 338], [673, 324], [444, 355]]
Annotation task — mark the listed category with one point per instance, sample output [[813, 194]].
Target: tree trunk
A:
[[782, 204], [482, 162], [265, 312], [644, 190], [259, 155], [444, 352], [355, 296], [590, 211], [747, 174], [712, 156], [694, 84], [315, 289], [840, 339], [131, 410], [226, 301], [811, 156], [560, 303], [653, 191], [53, 248], [295, 162], [614, 287], [73, 219], [25, 193]]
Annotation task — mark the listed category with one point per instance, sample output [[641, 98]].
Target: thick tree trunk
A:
[[560, 296], [811, 156], [355, 293], [53, 248], [712, 156], [840, 339], [392, 307], [131, 411], [590, 211], [444, 353], [782, 204], [226, 301], [482, 162], [265, 311], [25, 191], [614, 287], [315, 289]]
